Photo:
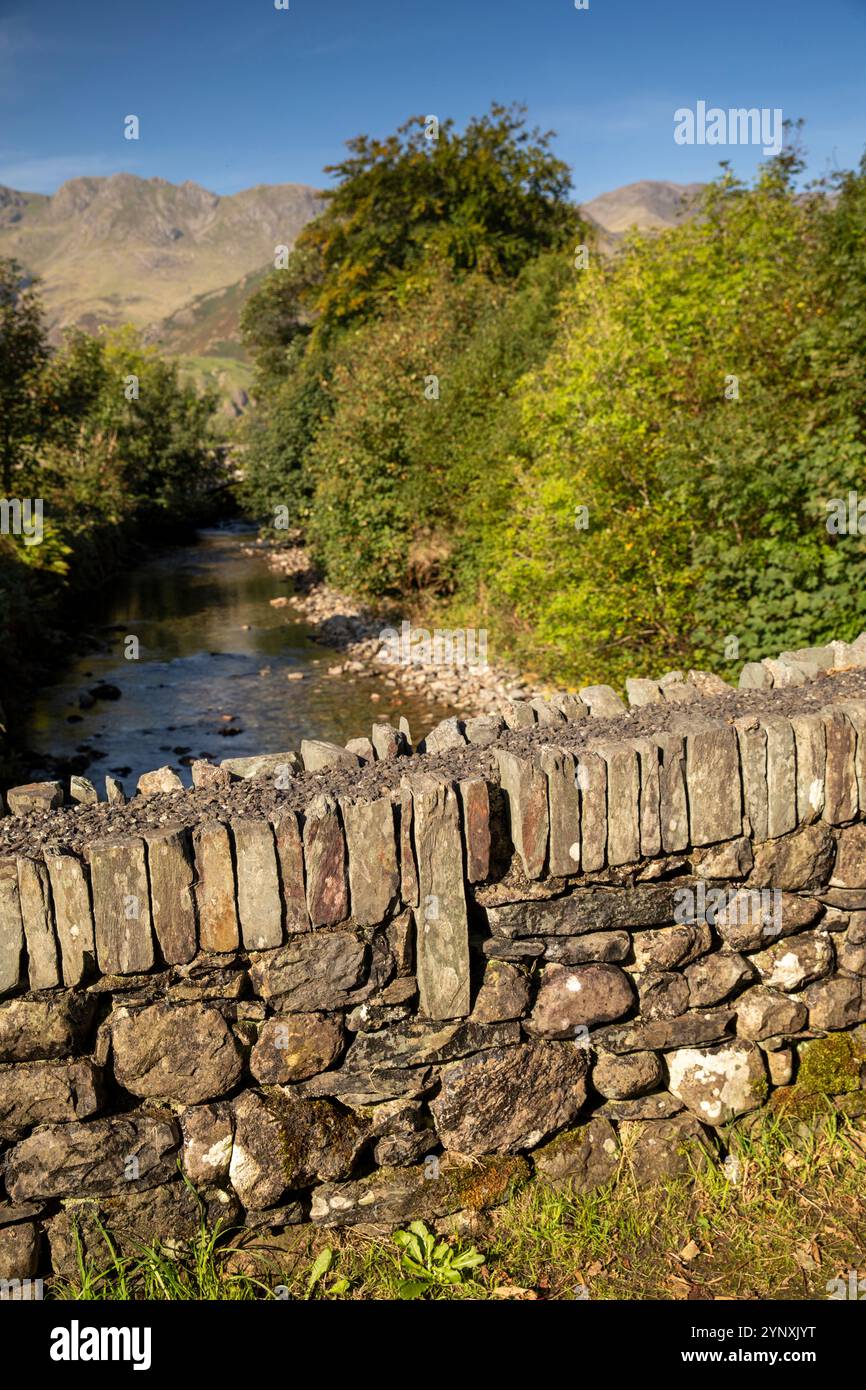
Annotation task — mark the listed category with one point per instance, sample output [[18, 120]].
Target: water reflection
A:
[[211, 679]]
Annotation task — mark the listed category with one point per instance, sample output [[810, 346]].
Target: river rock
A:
[[579, 998], [120, 1154], [717, 1084], [295, 1047], [174, 1052], [509, 1098]]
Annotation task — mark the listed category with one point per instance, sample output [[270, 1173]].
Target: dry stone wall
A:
[[412, 1003]]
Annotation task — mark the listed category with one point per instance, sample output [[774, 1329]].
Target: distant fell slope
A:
[[125, 249], [649, 205]]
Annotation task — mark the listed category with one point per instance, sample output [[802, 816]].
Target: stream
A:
[[213, 674]]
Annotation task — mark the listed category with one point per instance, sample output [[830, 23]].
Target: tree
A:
[[23, 353]]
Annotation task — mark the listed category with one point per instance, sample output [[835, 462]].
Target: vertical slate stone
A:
[[563, 804], [443, 924], [408, 866], [525, 788], [169, 863], [810, 751], [73, 918], [475, 806], [650, 809], [840, 785], [673, 805], [325, 863], [11, 928], [713, 783], [855, 713], [752, 741], [121, 906], [215, 888], [35, 897], [374, 881], [781, 778], [260, 908], [623, 804], [592, 785], [290, 862]]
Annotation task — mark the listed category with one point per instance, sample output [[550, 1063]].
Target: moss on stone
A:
[[831, 1065], [487, 1182]]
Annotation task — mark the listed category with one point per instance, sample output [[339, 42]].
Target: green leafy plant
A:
[[431, 1263]]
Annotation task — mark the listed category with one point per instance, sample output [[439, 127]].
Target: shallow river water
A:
[[211, 678]]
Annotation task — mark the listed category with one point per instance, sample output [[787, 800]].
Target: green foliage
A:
[[431, 1263]]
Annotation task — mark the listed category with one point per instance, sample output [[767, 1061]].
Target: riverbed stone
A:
[[34, 797], [215, 888], [713, 780], [260, 909], [310, 974], [582, 997], [718, 1083], [623, 1078], [294, 1047], [765, 1013], [374, 880], [798, 961], [121, 906], [37, 1093], [290, 862], [208, 1133], [325, 862], [88, 1158], [54, 1025], [174, 1052], [504, 993], [12, 959], [73, 918], [524, 786], [581, 1158], [442, 945], [34, 893], [475, 814], [509, 1098]]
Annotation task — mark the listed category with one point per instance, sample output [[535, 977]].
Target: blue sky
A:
[[232, 93]]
